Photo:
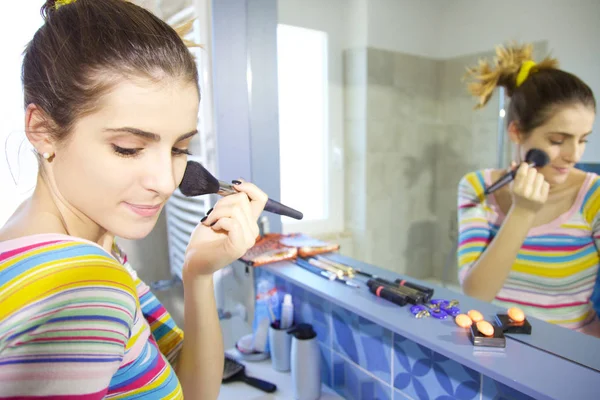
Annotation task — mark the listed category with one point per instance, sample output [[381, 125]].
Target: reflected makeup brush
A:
[[197, 181]]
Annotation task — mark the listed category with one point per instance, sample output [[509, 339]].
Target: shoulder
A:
[[471, 186], [590, 197], [44, 266]]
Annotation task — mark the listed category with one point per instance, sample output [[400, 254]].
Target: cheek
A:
[[89, 178], [553, 153], [179, 166]]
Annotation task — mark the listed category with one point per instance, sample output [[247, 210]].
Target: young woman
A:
[[534, 244], [111, 97]]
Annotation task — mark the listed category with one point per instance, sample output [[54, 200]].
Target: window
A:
[[304, 131], [18, 166]]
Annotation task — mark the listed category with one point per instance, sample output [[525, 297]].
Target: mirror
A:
[[371, 96]]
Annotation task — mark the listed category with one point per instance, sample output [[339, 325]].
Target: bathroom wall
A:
[[391, 126], [569, 27]]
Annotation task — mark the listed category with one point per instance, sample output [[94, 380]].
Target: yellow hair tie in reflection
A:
[[524, 72], [60, 3]]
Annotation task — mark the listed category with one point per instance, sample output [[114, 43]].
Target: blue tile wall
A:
[[361, 360], [424, 374], [362, 342], [354, 383]]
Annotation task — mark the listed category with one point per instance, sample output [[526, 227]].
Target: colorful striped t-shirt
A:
[[77, 323], [555, 270]]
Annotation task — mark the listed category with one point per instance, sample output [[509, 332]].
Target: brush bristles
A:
[[197, 181], [538, 157]]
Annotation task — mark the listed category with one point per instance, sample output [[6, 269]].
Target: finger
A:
[[235, 235], [545, 191], [520, 178], [537, 186], [249, 216], [242, 218], [513, 165], [258, 198], [529, 183], [224, 204], [238, 212], [217, 212]]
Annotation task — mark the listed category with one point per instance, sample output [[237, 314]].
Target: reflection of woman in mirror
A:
[[533, 244]]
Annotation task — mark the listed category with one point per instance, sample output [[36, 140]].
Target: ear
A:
[[514, 133], [36, 129]]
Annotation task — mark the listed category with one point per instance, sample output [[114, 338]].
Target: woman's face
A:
[[121, 163], [563, 137]]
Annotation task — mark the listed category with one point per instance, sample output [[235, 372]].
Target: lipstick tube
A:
[[413, 296], [426, 290], [385, 292]]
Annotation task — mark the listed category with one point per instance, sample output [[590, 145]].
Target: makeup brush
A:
[[197, 181]]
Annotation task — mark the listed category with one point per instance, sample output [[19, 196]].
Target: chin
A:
[[134, 230], [556, 179]]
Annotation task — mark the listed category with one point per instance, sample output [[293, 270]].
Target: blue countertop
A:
[[566, 367]]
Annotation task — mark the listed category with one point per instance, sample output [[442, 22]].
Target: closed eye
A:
[[133, 152]]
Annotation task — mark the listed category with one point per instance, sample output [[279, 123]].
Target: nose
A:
[[572, 151], [159, 175]]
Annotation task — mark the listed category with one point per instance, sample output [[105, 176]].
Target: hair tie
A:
[[524, 71], [60, 3]]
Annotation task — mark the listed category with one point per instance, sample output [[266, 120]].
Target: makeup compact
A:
[[485, 334], [513, 321]]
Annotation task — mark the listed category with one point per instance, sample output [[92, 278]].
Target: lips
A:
[[144, 210], [562, 170]]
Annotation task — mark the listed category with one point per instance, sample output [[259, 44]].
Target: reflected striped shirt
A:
[[555, 270]]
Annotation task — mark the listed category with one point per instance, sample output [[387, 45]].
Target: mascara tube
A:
[[412, 295], [426, 290], [385, 292]]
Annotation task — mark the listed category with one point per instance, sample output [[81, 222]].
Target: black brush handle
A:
[[272, 206], [260, 384], [278, 208]]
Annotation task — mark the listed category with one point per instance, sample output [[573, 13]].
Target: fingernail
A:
[[214, 223], [236, 182], [203, 219], [209, 211]]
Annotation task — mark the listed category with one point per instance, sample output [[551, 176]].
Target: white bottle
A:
[[287, 312], [305, 363]]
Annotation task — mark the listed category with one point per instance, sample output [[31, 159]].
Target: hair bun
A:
[[503, 71], [52, 5], [48, 8]]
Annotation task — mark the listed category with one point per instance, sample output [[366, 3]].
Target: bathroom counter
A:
[[573, 373], [263, 370]]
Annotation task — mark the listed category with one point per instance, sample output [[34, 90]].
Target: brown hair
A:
[[85, 47], [545, 88]]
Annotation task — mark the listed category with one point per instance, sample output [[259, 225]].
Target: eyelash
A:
[[127, 152], [559, 143]]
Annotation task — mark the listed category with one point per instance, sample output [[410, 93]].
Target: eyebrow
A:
[[568, 134], [149, 135]]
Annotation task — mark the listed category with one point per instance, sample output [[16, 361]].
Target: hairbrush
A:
[[235, 371]]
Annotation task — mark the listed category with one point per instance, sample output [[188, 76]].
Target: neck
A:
[[559, 188], [63, 217]]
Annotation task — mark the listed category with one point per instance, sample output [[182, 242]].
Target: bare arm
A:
[[487, 274], [200, 363], [486, 277], [222, 237]]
